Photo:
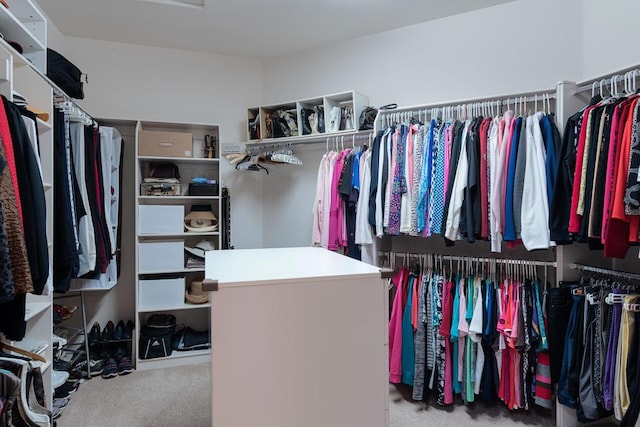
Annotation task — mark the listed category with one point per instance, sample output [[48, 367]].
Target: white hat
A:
[[200, 249]]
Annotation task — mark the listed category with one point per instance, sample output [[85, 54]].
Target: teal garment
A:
[[470, 299], [455, 318], [469, 347], [544, 344], [408, 350]]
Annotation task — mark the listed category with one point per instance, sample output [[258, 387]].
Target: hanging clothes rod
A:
[[605, 271], [62, 99], [317, 139], [528, 97], [611, 84], [586, 85], [505, 261]]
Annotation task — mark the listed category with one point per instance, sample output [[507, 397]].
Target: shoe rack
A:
[[350, 101]]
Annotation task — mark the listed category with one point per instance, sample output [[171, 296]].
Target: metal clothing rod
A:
[[528, 97], [60, 94], [506, 261], [624, 78], [607, 76], [605, 271], [260, 147]]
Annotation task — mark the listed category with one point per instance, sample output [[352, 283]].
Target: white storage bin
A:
[[161, 293], [158, 257], [160, 219]]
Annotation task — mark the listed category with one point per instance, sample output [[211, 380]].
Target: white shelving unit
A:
[[196, 316], [18, 75], [351, 100], [24, 24]]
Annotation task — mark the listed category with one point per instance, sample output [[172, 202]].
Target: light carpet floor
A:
[[178, 397]]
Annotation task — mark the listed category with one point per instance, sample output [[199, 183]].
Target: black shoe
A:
[[119, 331], [66, 389], [128, 330], [107, 332], [94, 334]]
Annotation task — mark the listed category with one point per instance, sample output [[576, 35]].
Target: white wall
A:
[[609, 36], [133, 82], [55, 39], [147, 83], [510, 48]]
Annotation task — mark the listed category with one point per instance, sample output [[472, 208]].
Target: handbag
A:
[[65, 74], [368, 116]]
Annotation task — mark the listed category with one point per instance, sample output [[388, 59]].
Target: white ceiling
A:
[[253, 28]]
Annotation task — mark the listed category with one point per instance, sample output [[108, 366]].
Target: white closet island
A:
[[299, 338]]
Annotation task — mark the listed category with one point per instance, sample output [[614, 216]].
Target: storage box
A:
[[159, 257], [161, 293], [160, 189], [196, 189], [160, 219], [165, 144]]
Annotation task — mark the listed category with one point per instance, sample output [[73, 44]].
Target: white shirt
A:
[[86, 231], [364, 233], [457, 191], [497, 185], [535, 205]]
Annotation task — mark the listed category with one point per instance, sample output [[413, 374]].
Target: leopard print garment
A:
[[17, 246]]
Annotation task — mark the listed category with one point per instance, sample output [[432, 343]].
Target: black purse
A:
[[368, 116]]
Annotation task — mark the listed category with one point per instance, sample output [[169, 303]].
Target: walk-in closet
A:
[[309, 214]]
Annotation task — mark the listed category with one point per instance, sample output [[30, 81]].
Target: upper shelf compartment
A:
[[23, 23], [325, 115]]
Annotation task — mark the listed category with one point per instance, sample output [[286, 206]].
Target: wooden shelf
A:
[[175, 200], [173, 308], [177, 358], [184, 270], [173, 235], [196, 160]]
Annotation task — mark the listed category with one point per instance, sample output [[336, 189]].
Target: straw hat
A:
[[200, 219], [195, 294]]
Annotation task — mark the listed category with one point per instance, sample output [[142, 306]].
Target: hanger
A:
[[8, 347]]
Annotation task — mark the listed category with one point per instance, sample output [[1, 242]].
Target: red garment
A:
[[395, 327], [484, 194], [613, 229], [7, 143], [620, 223]]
